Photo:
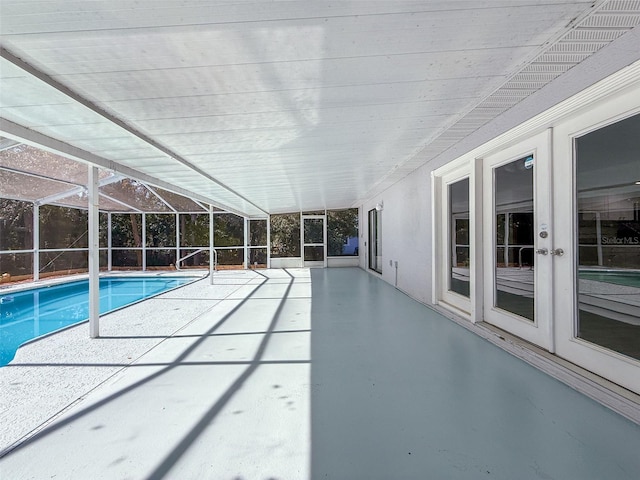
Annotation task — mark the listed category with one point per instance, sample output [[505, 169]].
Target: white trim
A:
[[619, 368]]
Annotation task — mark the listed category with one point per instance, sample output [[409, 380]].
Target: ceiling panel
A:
[[267, 106]]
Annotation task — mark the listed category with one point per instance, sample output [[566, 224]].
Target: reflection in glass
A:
[[375, 240], [459, 237], [514, 279], [608, 222]]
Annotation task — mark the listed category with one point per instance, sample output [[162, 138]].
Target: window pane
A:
[[126, 230], [62, 227], [197, 258], [375, 240], [608, 221], [313, 230], [257, 233], [258, 258], [16, 225], [342, 232], [15, 267], [285, 235], [228, 230], [514, 287], [161, 230], [459, 237], [161, 258], [64, 263], [233, 257], [313, 254], [124, 259], [194, 230]]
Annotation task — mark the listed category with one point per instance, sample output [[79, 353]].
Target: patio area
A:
[[295, 374]]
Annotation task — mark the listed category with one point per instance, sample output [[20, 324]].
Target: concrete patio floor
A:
[[296, 374]]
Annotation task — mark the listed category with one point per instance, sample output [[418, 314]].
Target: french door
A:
[[598, 278], [518, 238]]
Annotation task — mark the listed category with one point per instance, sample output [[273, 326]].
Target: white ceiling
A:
[[278, 106]]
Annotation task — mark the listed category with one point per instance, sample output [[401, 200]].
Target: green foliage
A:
[[228, 230], [16, 225], [285, 235], [63, 227], [341, 225]]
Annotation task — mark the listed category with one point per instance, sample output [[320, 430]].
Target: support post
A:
[[36, 242], [177, 241], [211, 252], [144, 242], [269, 241], [94, 255], [246, 243], [109, 244]]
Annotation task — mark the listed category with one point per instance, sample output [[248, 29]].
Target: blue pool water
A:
[[618, 277], [28, 314]]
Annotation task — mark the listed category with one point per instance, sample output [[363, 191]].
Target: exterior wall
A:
[[407, 215], [343, 261], [293, 262], [406, 234]]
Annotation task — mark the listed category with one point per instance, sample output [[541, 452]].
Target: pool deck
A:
[[295, 374]]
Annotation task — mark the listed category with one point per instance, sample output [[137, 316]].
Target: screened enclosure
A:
[[44, 223]]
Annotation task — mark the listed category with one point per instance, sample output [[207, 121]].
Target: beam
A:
[[61, 88], [37, 139]]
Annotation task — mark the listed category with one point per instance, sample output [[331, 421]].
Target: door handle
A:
[[558, 252], [542, 251]]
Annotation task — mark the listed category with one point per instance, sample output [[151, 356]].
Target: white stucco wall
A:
[[406, 234], [406, 218]]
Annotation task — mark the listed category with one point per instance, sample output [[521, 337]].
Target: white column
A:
[[246, 243], [211, 252], [269, 241], [144, 242], [177, 240], [36, 242], [109, 242], [94, 255]]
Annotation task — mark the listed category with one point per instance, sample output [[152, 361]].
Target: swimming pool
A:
[[629, 278], [31, 313]]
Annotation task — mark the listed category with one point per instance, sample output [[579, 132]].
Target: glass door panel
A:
[[516, 229], [514, 281], [598, 207], [459, 277], [608, 222], [375, 240], [314, 230]]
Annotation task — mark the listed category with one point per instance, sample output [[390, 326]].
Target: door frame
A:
[[308, 263], [612, 365], [540, 330]]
